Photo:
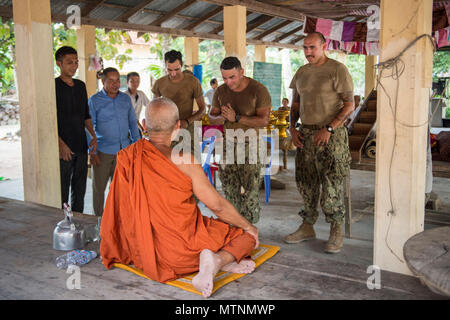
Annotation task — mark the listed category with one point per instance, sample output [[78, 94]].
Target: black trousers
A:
[[73, 177]]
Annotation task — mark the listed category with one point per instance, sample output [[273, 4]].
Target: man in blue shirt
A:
[[115, 124]]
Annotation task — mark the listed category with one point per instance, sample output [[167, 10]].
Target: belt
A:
[[315, 126]]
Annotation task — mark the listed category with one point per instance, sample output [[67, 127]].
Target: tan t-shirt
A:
[[244, 103], [319, 89], [182, 93]]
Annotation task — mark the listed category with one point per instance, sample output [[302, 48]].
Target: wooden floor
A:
[[296, 272]]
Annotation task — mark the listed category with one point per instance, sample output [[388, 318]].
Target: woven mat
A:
[[260, 255]]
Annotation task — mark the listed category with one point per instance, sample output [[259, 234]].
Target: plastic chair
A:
[[207, 166], [267, 168]]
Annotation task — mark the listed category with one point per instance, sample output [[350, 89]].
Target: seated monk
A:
[[151, 219]]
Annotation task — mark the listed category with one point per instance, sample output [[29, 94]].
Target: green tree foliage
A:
[[162, 43], [211, 54], [441, 64], [6, 55]]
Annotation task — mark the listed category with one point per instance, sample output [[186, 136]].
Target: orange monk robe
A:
[[151, 219]]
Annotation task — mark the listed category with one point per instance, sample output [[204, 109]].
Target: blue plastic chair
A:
[[206, 166], [267, 168]]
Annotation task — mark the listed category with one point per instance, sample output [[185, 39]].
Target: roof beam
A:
[[172, 12], [271, 30], [284, 36], [264, 8], [91, 6], [297, 39], [133, 11], [204, 18], [258, 22]]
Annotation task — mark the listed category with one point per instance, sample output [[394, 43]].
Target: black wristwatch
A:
[[329, 128], [237, 118]]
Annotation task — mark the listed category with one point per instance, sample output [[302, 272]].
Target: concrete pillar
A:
[[402, 177], [85, 47], [191, 52], [260, 53], [39, 130], [235, 26], [370, 75]]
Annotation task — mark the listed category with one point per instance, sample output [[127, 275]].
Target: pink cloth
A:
[[324, 26], [209, 131], [443, 37]]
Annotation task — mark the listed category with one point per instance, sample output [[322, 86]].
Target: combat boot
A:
[[303, 233], [334, 243]]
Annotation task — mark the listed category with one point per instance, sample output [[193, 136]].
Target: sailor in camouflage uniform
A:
[[244, 104], [323, 100]]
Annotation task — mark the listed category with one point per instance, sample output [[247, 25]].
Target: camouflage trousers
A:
[[240, 183], [320, 173]]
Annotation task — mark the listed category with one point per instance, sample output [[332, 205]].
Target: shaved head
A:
[[316, 35], [161, 115]]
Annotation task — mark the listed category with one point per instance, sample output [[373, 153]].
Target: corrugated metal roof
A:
[[113, 9], [144, 18], [198, 9], [107, 13], [174, 22], [127, 3], [164, 5]]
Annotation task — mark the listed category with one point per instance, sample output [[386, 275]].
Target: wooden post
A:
[[191, 57], [370, 75], [191, 52], [400, 172], [260, 53], [86, 45], [39, 130], [235, 26]]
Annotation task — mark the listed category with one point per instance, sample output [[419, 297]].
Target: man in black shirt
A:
[[73, 117]]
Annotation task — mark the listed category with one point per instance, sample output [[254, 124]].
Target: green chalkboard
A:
[[269, 74]]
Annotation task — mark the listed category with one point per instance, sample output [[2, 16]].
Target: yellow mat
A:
[[260, 255]]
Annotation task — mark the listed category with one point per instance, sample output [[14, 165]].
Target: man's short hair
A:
[[213, 81], [65, 50], [319, 35], [132, 74], [230, 63], [161, 115], [108, 70], [173, 56]]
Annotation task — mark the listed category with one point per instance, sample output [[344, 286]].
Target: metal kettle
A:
[[69, 234]]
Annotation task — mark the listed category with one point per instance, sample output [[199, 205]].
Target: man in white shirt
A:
[[138, 97], [210, 93]]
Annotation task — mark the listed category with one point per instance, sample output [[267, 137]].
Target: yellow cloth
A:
[[260, 255]]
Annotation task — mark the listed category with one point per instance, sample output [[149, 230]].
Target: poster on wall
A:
[[269, 74]]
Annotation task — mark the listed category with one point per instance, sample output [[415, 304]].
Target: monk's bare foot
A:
[[209, 266], [245, 266]]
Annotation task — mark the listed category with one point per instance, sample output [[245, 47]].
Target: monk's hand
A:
[[254, 232], [95, 159], [64, 151], [296, 137], [228, 113], [322, 136]]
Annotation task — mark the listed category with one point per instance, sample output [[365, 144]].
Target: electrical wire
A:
[[396, 67]]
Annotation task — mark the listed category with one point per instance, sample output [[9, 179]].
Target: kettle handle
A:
[[68, 212]]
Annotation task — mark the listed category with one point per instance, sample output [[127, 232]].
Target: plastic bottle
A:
[[75, 257]]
